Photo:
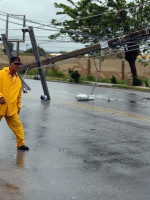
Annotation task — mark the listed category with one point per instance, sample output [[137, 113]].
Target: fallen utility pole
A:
[[111, 44]]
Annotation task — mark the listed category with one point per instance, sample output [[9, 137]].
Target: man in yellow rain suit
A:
[[10, 100]]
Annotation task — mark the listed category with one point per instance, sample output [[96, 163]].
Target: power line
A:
[[17, 17], [54, 26], [83, 59], [56, 30], [33, 27], [108, 12], [31, 21]]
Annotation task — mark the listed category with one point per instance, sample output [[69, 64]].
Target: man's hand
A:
[[2, 101]]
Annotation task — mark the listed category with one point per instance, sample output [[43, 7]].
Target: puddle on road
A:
[[132, 99], [146, 99], [109, 99]]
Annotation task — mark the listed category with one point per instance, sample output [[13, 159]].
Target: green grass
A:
[[33, 72], [131, 87], [54, 74]]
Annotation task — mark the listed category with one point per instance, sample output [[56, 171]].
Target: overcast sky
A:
[[41, 11]]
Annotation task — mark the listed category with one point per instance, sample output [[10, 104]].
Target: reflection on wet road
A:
[[78, 150], [106, 110]]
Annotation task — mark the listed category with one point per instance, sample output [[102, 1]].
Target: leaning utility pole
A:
[[9, 54], [37, 58], [110, 43]]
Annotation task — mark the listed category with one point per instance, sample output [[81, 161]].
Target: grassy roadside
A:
[[99, 84], [55, 75], [138, 88]]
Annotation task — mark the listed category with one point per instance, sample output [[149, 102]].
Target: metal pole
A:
[[100, 61], [37, 57], [9, 54], [7, 25], [24, 24], [17, 49], [6, 46]]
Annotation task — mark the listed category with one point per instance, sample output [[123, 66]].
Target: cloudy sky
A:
[[39, 11]]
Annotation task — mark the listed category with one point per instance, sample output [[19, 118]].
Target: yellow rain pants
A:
[[16, 126]]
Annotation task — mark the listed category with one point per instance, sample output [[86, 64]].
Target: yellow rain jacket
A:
[[10, 89]]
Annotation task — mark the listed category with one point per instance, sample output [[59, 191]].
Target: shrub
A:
[[75, 76], [146, 83], [113, 79], [137, 81], [55, 73], [90, 78]]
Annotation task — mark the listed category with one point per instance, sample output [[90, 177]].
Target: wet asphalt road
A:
[[78, 150]]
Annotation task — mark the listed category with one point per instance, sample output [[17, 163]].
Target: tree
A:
[[98, 20], [30, 50]]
